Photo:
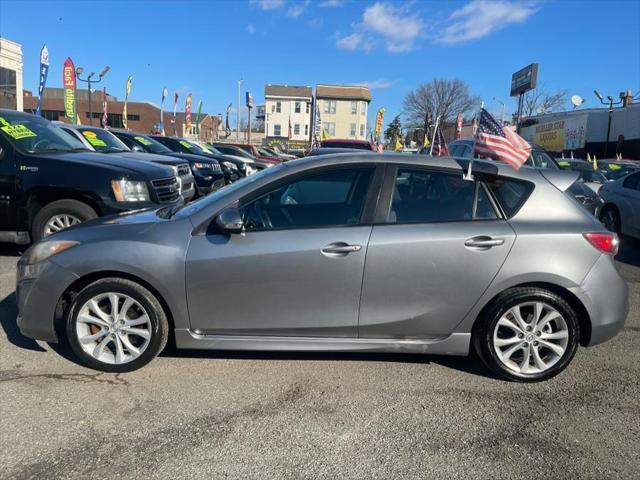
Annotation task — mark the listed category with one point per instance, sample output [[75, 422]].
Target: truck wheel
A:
[[59, 215]]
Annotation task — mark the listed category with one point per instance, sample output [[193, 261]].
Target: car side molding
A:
[[454, 344]]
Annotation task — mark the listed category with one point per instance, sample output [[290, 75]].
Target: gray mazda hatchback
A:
[[345, 252]]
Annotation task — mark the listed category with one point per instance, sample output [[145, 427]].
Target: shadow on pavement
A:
[[471, 364], [8, 316], [11, 250], [629, 251]]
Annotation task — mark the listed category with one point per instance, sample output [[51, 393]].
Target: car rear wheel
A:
[[527, 335], [610, 218], [58, 215], [116, 325]]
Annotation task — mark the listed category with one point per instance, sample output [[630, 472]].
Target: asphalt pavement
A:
[[265, 415]]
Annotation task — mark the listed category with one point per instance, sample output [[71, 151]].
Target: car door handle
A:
[[340, 248], [483, 242]]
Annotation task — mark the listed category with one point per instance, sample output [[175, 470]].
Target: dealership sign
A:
[[69, 83], [561, 133], [524, 80]]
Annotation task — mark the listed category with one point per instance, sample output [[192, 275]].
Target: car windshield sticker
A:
[[206, 150], [93, 139], [185, 144], [3, 122], [613, 166], [142, 140], [16, 131], [564, 164]]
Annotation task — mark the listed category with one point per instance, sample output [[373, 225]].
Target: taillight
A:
[[605, 242]]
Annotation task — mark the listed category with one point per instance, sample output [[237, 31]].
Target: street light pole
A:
[[238, 114], [611, 103], [88, 81], [504, 106]]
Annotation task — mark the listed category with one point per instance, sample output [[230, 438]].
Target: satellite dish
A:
[[540, 110], [577, 100]]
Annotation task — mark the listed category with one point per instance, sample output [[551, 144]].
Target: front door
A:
[[8, 199], [439, 249], [297, 268]]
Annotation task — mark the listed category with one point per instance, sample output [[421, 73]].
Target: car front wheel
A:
[[59, 215], [116, 325], [527, 335]]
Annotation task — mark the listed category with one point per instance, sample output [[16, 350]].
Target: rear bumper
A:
[[605, 295], [37, 298]]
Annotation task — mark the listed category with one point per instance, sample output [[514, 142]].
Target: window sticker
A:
[[613, 166], [93, 139], [142, 140], [185, 144], [564, 164], [16, 131]]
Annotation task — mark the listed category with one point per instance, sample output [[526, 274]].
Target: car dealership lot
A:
[[194, 414]]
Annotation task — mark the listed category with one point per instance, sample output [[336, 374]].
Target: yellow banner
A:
[[379, 121]]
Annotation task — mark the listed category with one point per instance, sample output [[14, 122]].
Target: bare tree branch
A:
[[540, 98]]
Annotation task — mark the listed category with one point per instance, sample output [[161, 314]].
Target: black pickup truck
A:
[[49, 181]]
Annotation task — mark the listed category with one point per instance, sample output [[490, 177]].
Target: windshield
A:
[[203, 202], [614, 171], [150, 145], [103, 141], [33, 134], [591, 176], [265, 152], [238, 152]]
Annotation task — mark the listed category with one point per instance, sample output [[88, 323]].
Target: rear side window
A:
[[510, 194], [632, 181], [423, 196]]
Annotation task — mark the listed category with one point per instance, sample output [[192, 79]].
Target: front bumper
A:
[[38, 297], [605, 295]]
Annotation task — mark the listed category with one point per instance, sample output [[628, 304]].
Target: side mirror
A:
[[230, 220], [137, 148]]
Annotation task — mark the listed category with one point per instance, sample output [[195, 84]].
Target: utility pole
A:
[[504, 106], [238, 114], [611, 103], [88, 81]]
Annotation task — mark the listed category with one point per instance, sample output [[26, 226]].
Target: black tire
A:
[[485, 326], [159, 326], [611, 216], [74, 208]]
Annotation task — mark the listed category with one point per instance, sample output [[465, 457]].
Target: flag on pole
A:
[[127, 91], [459, 126], [290, 132], [165, 92], [175, 110], [318, 132], [595, 163], [198, 113], [439, 148], [187, 113], [44, 71], [104, 109], [426, 126], [501, 143], [398, 146], [379, 122], [69, 83], [227, 128]]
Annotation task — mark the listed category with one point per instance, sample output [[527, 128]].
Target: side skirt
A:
[[454, 344]]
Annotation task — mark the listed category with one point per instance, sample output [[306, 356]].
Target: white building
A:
[[10, 75], [287, 106], [344, 110]]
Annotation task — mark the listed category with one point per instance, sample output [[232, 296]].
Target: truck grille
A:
[[215, 166], [184, 170], [167, 189]]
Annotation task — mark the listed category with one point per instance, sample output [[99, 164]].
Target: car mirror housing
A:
[[230, 220]]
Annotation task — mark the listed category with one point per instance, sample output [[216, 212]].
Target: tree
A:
[[393, 131], [440, 97], [540, 98]]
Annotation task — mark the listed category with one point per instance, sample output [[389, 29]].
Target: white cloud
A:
[[395, 27], [250, 28], [331, 3], [378, 84], [297, 8], [480, 18], [317, 22], [268, 4]]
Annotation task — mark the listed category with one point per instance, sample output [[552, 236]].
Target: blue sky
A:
[[204, 47]]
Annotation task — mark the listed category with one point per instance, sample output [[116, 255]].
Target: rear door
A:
[[437, 244]]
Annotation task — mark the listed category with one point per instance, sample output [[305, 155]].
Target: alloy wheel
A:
[[113, 328], [530, 338], [60, 222]]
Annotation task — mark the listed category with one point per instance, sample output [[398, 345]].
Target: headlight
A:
[[48, 248], [129, 191], [230, 165], [199, 165]]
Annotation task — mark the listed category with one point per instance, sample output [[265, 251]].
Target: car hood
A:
[[113, 162], [189, 157]]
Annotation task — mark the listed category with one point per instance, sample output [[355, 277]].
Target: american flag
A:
[[439, 148], [501, 143]]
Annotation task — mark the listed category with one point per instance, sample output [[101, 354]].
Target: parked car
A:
[[506, 264], [49, 181], [206, 171], [255, 152], [591, 178], [239, 155], [347, 143], [614, 169], [229, 167], [539, 158], [332, 150], [103, 141], [621, 210], [268, 151]]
